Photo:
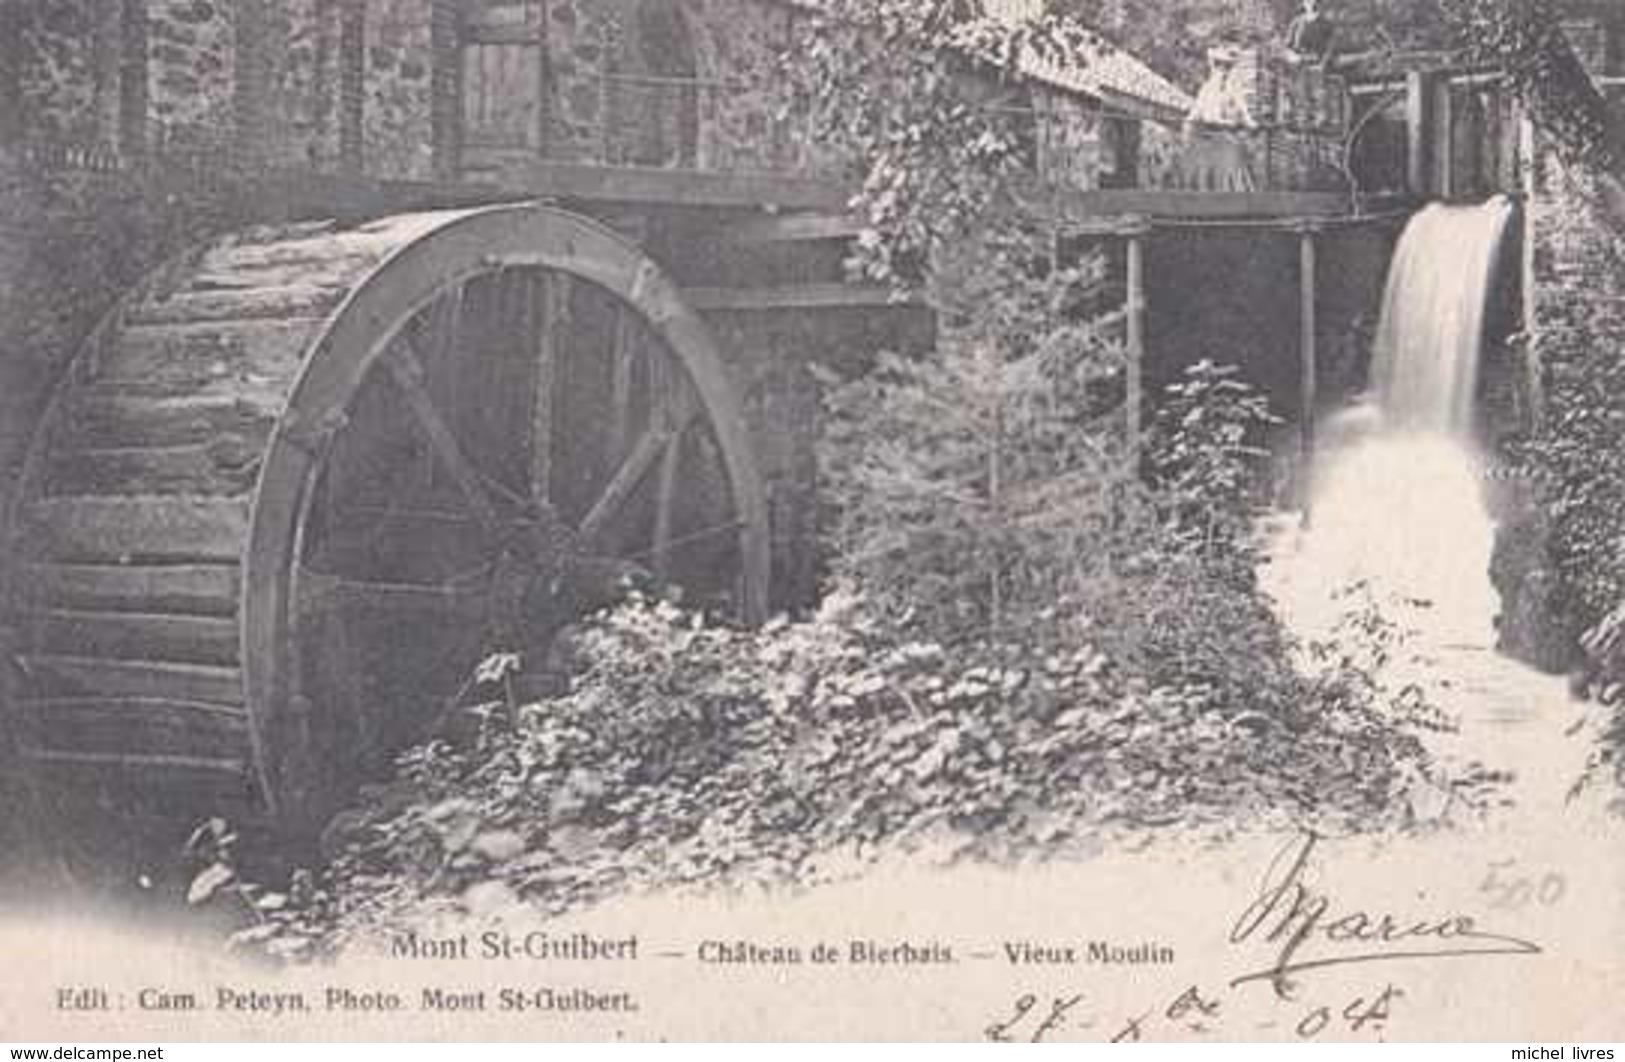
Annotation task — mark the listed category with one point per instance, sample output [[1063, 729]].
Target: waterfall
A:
[[1427, 348], [1396, 502]]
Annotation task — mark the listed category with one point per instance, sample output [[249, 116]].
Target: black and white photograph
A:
[[813, 520]]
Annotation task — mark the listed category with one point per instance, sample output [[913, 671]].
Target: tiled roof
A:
[[1106, 72]]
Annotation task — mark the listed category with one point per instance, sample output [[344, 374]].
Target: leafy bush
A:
[[963, 483], [999, 501], [1575, 462], [1135, 680], [695, 755]]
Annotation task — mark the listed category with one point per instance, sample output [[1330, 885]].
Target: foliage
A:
[[1205, 461], [1173, 35], [989, 491], [998, 502], [1577, 457], [961, 480], [1576, 460], [280, 925], [690, 754], [1525, 38], [927, 98], [1136, 683]]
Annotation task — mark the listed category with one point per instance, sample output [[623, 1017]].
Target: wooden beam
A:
[[92, 676], [406, 370], [177, 528], [1308, 361], [1443, 146], [642, 184], [766, 229], [1173, 204], [552, 299], [166, 770], [209, 589], [138, 636], [797, 297], [1135, 232], [1419, 98], [644, 453]]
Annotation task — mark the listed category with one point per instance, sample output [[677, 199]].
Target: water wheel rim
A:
[[453, 249]]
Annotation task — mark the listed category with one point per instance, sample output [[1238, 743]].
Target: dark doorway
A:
[[656, 101]]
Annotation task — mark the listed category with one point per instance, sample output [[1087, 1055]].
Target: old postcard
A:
[[1015, 520]]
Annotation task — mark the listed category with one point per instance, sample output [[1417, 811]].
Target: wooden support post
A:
[[1443, 140], [1134, 231], [1419, 133], [1309, 383]]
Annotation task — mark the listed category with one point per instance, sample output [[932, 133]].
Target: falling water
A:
[[1425, 360], [1397, 503]]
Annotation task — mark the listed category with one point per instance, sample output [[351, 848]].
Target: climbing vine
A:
[[1525, 39]]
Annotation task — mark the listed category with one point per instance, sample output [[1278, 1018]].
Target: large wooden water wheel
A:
[[298, 484]]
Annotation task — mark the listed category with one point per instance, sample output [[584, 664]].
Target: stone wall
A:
[[397, 106], [580, 34], [301, 84], [327, 84], [743, 124], [738, 103], [191, 70]]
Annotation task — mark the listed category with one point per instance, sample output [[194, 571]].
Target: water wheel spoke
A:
[[322, 592], [554, 298], [729, 528], [668, 421], [406, 370], [443, 326], [379, 514], [623, 355], [655, 440], [665, 507]]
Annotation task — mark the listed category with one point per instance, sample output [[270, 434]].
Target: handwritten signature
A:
[[1304, 929], [1311, 933]]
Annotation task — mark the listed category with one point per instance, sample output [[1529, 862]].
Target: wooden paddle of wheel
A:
[[296, 486]]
